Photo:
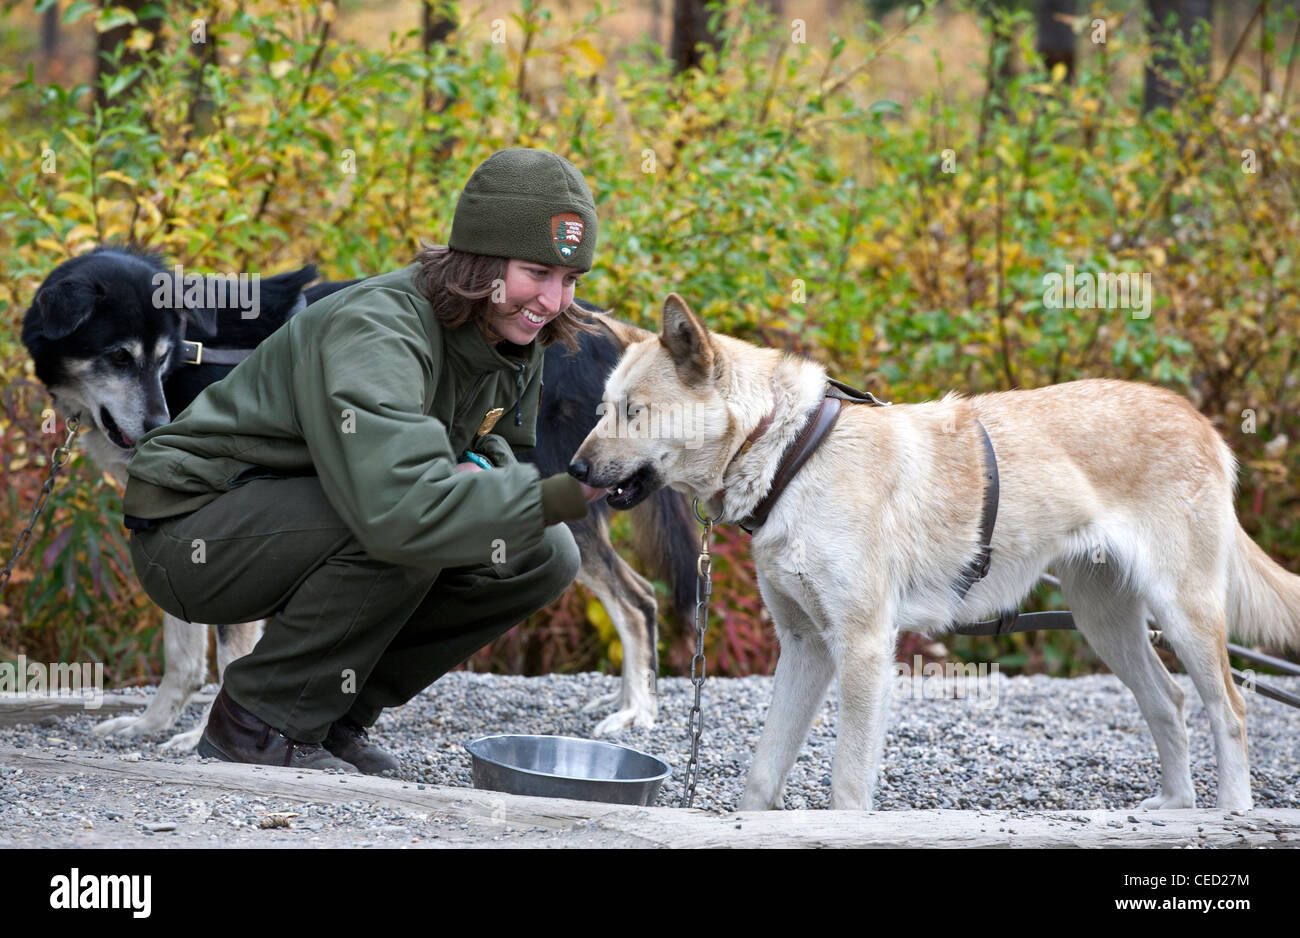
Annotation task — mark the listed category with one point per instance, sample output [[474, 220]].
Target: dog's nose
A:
[[579, 469]]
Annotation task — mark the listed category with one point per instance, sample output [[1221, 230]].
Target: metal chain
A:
[[703, 590], [62, 453]]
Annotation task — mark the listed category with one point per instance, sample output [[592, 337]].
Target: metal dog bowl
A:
[[565, 767]]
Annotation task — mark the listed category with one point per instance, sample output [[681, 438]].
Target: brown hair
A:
[[458, 285]]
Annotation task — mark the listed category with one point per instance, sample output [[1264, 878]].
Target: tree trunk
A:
[[1160, 92], [202, 106], [50, 31], [437, 21], [690, 29], [1056, 38], [108, 41]]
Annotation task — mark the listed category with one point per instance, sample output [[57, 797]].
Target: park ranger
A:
[[353, 480]]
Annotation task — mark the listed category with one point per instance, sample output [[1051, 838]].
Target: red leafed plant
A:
[[739, 639]]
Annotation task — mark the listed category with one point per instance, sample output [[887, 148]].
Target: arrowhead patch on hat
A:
[[566, 232]]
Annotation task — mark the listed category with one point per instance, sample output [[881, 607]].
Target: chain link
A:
[[62, 453], [703, 590]]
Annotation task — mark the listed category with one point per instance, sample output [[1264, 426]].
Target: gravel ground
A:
[[1046, 744]]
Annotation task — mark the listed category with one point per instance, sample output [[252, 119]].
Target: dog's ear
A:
[[623, 333], [687, 341], [62, 308]]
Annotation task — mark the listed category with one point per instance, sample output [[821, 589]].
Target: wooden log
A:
[[582, 823], [46, 708]]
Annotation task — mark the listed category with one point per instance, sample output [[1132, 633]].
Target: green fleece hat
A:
[[529, 204]]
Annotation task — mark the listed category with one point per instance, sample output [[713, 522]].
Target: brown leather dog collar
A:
[[816, 426], [818, 423], [196, 353]]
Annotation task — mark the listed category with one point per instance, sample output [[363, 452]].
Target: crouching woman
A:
[[354, 481]]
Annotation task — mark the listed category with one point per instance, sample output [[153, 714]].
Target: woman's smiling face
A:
[[534, 295]]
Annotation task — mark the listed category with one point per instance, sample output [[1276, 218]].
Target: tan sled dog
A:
[[1124, 489]]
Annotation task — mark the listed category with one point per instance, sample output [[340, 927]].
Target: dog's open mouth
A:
[[114, 431], [632, 490]]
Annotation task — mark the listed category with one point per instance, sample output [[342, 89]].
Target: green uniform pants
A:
[[346, 634]]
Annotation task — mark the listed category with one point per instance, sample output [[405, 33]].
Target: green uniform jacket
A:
[[366, 389]]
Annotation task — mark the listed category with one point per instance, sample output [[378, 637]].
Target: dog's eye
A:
[[633, 410], [121, 357]]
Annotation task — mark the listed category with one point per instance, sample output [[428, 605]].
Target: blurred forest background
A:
[[880, 186]]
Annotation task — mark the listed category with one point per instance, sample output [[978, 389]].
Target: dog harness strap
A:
[[1012, 621], [978, 568], [820, 420], [851, 394]]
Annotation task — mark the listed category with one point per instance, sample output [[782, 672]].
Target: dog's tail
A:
[[1263, 598]]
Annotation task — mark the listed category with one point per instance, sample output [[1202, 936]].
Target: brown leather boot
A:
[[235, 735], [347, 739]]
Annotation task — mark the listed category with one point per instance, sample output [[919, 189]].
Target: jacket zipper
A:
[[519, 398]]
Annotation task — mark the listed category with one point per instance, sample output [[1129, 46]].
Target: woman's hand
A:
[[588, 492]]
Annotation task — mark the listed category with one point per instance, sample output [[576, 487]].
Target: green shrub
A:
[[771, 188]]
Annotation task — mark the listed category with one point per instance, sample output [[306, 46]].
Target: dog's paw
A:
[[1164, 802], [602, 701], [127, 726], [185, 742], [623, 719]]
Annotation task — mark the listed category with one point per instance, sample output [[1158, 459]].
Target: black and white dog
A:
[[123, 362], [108, 353]]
